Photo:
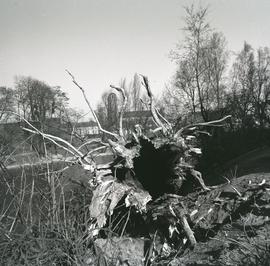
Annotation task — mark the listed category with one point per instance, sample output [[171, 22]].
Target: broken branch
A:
[[90, 107], [205, 124], [152, 106], [122, 91]]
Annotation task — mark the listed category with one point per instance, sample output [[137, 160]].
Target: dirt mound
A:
[[228, 222]]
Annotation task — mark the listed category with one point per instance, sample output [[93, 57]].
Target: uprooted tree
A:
[[148, 174]]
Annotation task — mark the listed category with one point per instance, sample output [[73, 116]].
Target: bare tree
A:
[[134, 94], [6, 103], [215, 60], [112, 110], [250, 90], [201, 61], [261, 97], [105, 114], [37, 101]]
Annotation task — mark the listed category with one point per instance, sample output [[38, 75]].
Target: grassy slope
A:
[[255, 161]]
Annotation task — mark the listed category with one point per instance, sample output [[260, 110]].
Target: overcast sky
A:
[[102, 41]]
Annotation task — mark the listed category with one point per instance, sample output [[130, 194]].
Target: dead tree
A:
[[144, 169]]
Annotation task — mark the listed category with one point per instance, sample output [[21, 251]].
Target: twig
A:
[[234, 188], [91, 109], [180, 214], [126, 222]]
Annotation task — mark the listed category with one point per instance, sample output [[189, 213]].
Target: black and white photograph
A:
[[135, 132]]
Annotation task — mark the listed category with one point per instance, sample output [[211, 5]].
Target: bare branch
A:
[[152, 106], [198, 176], [206, 124], [53, 141], [92, 141], [71, 149], [156, 130], [90, 107], [93, 151], [181, 216], [235, 189], [164, 119], [122, 91], [48, 136]]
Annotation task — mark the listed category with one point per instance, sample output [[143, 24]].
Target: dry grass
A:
[[41, 223]]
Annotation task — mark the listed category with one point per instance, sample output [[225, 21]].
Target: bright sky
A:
[[102, 41]]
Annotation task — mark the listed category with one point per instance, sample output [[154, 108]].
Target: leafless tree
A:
[[250, 90], [201, 60], [36, 100], [261, 97], [6, 103]]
